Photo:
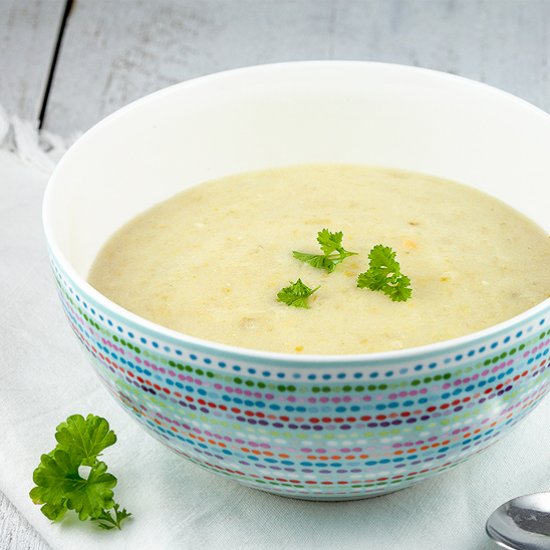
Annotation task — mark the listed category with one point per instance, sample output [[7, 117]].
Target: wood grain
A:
[[15, 531], [28, 33], [133, 47]]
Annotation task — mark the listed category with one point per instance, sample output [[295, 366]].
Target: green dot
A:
[[415, 382], [359, 388], [315, 389], [281, 388], [383, 387], [371, 387], [249, 383], [237, 380], [326, 389], [261, 385]]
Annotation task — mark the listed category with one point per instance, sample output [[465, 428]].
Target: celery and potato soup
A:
[[326, 259]]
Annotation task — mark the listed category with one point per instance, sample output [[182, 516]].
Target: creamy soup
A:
[[209, 261]]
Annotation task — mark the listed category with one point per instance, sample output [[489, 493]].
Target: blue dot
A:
[[519, 334], [432, 365], [280, 375], [482, 349], [373, 375], [130, 335], [541, 322], [326, 377], [154, 344], [389, 373], [418, 367], [207, 360], [494, 345], [403, 371], [102, 318], [120, 329], [507, 339], [178, 352], [109, 322], [296, 376], [311, 377], [236, 368], [266, 373], [458, 357], [250, 371], [85, 305], [341, 375], [471, 353], [222, 364], [193, 357]]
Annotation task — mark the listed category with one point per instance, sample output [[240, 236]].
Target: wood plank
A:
[[28, 34], [15, 531], [116, 52]]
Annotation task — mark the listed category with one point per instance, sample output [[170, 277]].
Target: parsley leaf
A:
[[296, 294], [106, 520], [333, 251], [88, 438], [384, 274], [60, 485]]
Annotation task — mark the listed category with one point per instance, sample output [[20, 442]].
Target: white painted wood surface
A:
[[114, 53], [117, 50], [28, 33], [15, 531]]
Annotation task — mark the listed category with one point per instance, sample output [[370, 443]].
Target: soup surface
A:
[[209, 261]]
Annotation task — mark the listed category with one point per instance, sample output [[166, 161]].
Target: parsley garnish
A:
[[59, 483], [296, 294], [333, 251], [384, 274]]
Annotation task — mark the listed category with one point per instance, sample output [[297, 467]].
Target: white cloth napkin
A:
[[44, 377]]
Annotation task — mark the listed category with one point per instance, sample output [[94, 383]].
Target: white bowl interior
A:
[[274, 115]]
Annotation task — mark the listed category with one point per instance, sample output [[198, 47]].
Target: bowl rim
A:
[[282, 359]]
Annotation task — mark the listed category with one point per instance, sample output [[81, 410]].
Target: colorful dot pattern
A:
[[322, 431]]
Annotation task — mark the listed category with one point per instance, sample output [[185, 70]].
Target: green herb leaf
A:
[[333, 251], [296, 294], [329, 242], [85, 437], [106, 520], [384, 274], [60, 485], [316, 260]]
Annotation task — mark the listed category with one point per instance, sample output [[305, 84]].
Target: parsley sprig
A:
[[384, 274], [296, 294], [333, 251], [60, 482]]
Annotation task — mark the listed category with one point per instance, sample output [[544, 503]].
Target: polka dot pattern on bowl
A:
[[315, 431]]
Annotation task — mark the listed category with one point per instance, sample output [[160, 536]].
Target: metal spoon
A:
[[523, 523]]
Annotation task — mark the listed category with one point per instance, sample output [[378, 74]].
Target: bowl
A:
[[323, 427]]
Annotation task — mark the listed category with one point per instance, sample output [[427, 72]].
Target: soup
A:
[[210, 261]]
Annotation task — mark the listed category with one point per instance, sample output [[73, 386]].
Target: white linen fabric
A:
[[44, 377]]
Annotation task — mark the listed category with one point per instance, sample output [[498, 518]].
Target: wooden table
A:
[[65, 64]]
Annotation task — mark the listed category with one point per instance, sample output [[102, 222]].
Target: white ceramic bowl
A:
[[323, 427]]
